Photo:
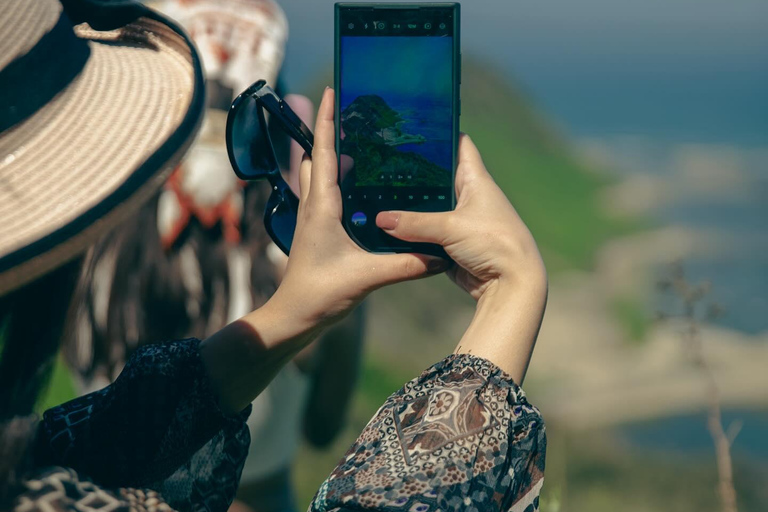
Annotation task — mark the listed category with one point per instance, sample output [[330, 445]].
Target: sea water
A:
[[430, 118]]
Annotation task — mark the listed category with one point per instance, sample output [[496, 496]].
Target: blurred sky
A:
[[682, 70]]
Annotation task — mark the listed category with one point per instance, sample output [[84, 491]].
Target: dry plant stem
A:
[[722, 440]]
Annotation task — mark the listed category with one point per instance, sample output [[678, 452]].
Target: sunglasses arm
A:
[[294, 125]]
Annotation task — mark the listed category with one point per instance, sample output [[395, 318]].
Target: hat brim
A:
[[90, 157]]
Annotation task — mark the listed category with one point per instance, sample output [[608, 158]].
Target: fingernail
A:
[[327, 87], [387, 220], [437, 266]]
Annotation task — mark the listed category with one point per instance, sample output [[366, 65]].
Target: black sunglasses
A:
[[253, 156]]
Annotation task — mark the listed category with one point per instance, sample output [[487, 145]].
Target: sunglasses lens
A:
[[250, 147], [281, 219]]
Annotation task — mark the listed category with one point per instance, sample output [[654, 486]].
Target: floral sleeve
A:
[[460, 437], [158, 426]]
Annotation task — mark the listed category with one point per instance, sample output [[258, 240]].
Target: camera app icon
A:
[[359, 219]]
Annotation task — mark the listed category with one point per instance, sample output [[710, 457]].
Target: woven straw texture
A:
[[130, 97]]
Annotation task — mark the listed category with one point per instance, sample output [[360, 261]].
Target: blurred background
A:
[[632, 137]]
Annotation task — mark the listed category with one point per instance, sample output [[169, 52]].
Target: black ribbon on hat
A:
[[35, 78], [104, 14]]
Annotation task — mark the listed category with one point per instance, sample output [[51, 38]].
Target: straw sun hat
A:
[[99, 100]]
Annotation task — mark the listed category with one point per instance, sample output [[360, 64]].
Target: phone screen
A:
[[397, 95]]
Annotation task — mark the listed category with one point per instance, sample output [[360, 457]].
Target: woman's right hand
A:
[[497, 262]]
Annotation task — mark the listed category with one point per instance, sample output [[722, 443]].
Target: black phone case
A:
[[420, 248]]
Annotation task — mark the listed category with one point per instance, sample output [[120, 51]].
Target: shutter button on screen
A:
[[359, 219]]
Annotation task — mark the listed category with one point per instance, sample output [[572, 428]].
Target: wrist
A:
[[506, 323], [527, 283], [519, 266], [283, 322]]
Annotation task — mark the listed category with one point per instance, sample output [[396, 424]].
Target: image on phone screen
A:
[[396, 101]]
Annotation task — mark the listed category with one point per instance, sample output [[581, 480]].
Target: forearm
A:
[[506, 325], [243, 357]]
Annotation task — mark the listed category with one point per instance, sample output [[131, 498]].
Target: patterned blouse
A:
[[461, 436]]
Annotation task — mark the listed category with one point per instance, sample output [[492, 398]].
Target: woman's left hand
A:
[[326, 277], [328, 274]]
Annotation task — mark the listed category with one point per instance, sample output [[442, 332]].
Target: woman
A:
[[461, 436]]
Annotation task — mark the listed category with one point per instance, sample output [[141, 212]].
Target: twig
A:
[[691, 296], [733, 430]]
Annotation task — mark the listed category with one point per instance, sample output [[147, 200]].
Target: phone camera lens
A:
[[442, 26], [351, 26], [428, 26], [380, 25]]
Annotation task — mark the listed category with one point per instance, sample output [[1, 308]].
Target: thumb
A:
[[415, 226], [395, 268]]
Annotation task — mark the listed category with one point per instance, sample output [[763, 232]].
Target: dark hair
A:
[[134, 291], [33, 318]]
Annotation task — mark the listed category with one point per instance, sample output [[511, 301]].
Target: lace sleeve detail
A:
[[157, 426], [460, 437]]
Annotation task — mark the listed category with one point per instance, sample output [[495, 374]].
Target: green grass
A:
[[60, 389], [632, 316]]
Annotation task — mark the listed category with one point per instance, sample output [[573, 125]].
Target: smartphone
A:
[[397, 78]]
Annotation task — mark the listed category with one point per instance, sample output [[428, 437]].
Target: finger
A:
[[303, 108], [305, 171], [415, 226], [471, 164], [324, 173], [396, 268]]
